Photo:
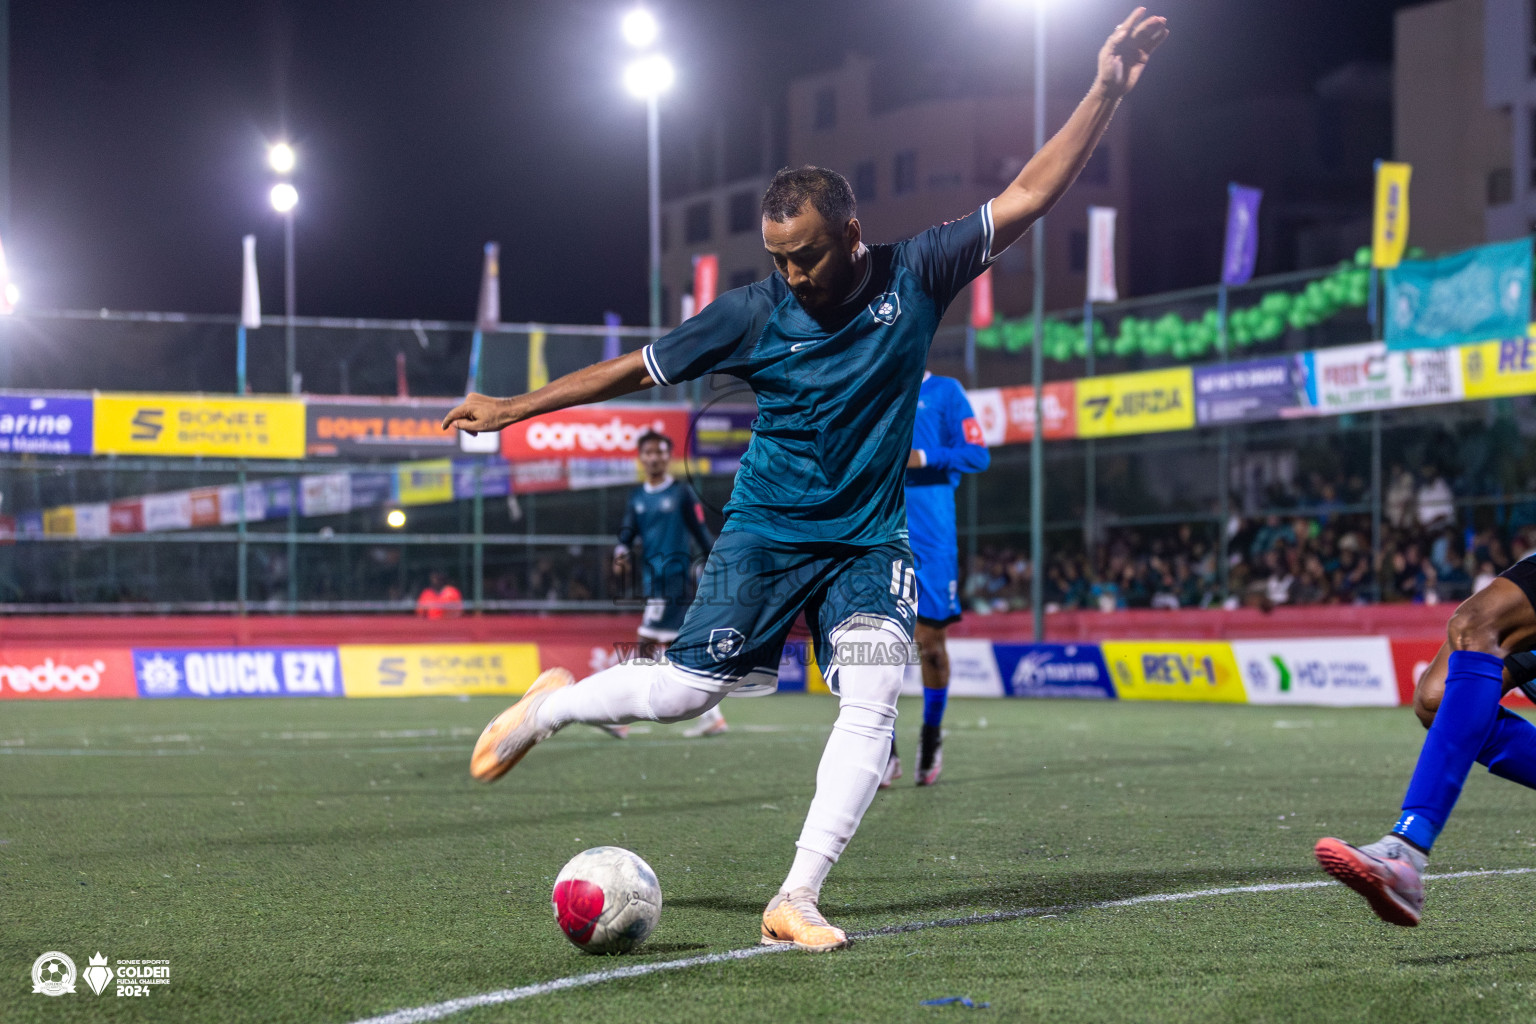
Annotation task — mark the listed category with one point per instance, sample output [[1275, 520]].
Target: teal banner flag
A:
[[1476, 295]]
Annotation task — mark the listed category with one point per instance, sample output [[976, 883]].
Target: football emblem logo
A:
[[886, 308], [725, 644]]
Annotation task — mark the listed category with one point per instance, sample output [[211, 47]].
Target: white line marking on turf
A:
[[437, 1011]]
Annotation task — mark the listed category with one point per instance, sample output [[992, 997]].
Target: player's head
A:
[[810, 228], [655, 452]]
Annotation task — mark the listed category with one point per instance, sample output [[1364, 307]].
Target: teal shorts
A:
[[754, 588]]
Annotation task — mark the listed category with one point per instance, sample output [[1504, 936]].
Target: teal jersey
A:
[[836, 398], [663, 520]]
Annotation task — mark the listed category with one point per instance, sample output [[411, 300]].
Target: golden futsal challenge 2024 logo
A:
[[54, 974]]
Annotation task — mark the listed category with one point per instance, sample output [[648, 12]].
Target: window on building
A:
[[1501, 186], [905, 176], [744, 212], [1096, 170], [696, 226], [826, 109], [864, 180], [742, 278], [1077, 252]]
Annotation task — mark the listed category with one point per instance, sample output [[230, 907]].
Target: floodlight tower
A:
[[647, 77], [285, 198]]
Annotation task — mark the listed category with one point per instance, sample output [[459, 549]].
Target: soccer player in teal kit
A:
[[834, 347]]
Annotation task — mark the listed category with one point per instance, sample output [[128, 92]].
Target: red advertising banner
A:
[[126, 516], [593, 431], [706, 281], [66, 673], [205, 507], [1058, 412]]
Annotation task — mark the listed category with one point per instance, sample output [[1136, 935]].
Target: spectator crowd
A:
[[1312, 546]]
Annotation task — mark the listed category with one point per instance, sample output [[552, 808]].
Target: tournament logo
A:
[[726, 643], [886, 308], [159, 675], [98, 975], [53, 974]]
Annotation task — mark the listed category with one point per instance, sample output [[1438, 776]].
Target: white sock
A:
[[853, 761], [712, 716], [629, 692]]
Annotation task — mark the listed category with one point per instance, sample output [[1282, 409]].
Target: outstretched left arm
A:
[[1050, 172]]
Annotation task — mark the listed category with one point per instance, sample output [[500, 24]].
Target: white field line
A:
[[437, 1011]]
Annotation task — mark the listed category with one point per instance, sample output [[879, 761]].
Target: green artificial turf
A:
[[323, 861]]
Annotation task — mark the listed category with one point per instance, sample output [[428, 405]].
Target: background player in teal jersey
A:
[[834, 347], [946, 442], [663, 515]]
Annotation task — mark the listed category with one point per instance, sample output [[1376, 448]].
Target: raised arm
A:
[[1050, 172], [596, 383]]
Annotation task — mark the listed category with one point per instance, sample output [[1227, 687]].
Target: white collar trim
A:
[[666, 482]]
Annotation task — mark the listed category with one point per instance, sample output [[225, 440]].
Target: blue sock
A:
[[1510, 752], [1473, 686], [933, 705]]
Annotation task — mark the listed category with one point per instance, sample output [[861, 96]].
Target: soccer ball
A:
[[606, 900]]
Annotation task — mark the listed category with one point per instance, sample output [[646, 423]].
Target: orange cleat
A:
[[793, 920], [1383, 872], [512, 733]]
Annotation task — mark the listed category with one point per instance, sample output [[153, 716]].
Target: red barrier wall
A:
[[1400, 622]]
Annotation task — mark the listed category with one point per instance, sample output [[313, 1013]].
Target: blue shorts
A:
[[938, 584], [754, 588], [662, 618]]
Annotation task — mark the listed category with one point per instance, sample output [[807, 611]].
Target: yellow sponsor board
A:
[[266, 428], [1136, 403], [420, 670], [424, 483], [1201, 670], [60, 521], [1496, 369]]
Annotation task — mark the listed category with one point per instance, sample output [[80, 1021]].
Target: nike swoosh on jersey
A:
[[797, 346]]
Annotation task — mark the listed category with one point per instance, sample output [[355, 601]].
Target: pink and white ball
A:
[[606, 900]]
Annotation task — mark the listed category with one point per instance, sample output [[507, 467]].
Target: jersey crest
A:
[[886, 308]]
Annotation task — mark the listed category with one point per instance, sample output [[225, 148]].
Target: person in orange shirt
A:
[[440, 599]]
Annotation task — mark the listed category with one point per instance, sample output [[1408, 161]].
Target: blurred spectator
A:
[[440, 599], [1436, 503]]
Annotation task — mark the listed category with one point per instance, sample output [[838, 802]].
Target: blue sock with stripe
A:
[[1510, 750], [1474, 683], [934, 701]]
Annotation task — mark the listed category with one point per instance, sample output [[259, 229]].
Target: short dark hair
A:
[[651, 436], [826, 190]]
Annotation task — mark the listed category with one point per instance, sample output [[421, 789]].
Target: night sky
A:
[[427, 128]]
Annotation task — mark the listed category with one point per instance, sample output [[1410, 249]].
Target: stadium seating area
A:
[[1312, 548]]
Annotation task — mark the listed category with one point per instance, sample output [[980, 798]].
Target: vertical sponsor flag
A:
[[250, 308], [1101, 255], [706, 280], [1389, 234], [981, 300], [250, 291], [611, 348], [488, 314], [538, 369], [1242, 245]]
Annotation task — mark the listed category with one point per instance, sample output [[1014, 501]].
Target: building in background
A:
[[918, 148], [1463, 102]]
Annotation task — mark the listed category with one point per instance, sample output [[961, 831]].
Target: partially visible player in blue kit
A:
[[946, 442]]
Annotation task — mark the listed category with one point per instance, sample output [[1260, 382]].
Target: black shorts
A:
[[1523, 575]]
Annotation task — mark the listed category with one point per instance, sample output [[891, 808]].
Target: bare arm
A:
[[1050, 172], [596, 383]]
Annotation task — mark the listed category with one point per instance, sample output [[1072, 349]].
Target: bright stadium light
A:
[[12, 295], [284, 197], [396, 518], [649, 77], [280, 157], [640, 28]]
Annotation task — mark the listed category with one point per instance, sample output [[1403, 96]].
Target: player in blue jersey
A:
[[1487, 653], [663, 515], [946, 442], [834, 346]]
